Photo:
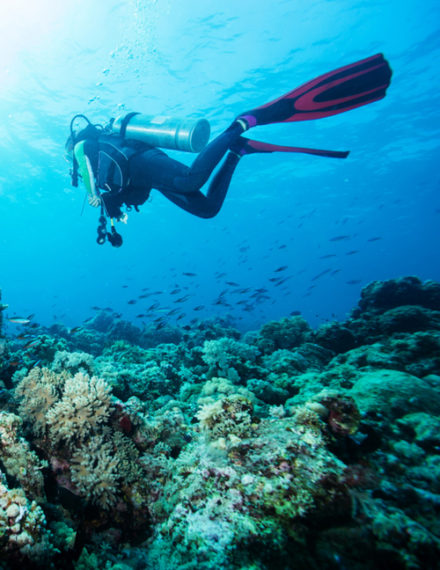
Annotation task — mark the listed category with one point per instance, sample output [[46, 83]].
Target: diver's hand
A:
[[95, 201]]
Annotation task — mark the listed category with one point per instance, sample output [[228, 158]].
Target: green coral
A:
[[249, 490], [230, 358]]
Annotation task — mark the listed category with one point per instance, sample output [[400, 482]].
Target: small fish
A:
[[189, 274], [318, 275], [232, 283], [352, 252], [182, 299], [23, 336], [282, 268], [354, 281], [294, 313], [32, 343], [375, 238], [132, 302], [339, 238], [19, 320], [281, 281], [199, 308], [74, 330], [328, 255], [172, 312]]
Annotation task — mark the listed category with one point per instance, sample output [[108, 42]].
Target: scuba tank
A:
[[166, 132]]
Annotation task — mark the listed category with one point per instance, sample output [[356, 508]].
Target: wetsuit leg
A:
[[181, 184], [207, 160], [207, 206]]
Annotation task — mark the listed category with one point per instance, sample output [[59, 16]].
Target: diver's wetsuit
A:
[[181, 184], [149, 167]]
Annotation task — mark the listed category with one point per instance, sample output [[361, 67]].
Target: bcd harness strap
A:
[[125, 122]]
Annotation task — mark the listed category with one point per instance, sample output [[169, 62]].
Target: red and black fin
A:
[[243, 146], [337, 91]]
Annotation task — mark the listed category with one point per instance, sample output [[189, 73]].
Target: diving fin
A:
[[335, 92], [243, 145]]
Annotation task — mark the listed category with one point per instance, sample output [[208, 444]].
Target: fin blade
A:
[[251, 146], [335, 92]]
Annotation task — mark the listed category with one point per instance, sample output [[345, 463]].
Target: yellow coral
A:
[[95, 471], [38, 391], [85, 404], [18, 459]]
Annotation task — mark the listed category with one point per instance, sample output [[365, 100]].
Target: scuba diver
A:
[[121, 163]]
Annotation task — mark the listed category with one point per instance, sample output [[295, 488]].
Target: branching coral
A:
[[73, 362], [85, 405], [94, 470], [86, 454], [18, 459], [38, 392]]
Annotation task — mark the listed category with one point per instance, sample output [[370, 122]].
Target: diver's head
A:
[[77, 134]]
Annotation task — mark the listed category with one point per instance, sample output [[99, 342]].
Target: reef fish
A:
[[20, 320]]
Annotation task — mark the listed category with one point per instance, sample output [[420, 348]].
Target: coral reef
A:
[[23, 530], [202, 448]]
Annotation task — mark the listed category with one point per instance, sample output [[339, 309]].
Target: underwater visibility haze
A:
[[259, 389]]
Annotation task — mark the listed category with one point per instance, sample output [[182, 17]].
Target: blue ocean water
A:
[[214, 60]]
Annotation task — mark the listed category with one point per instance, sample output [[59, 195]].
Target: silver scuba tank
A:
[[166, 132]]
